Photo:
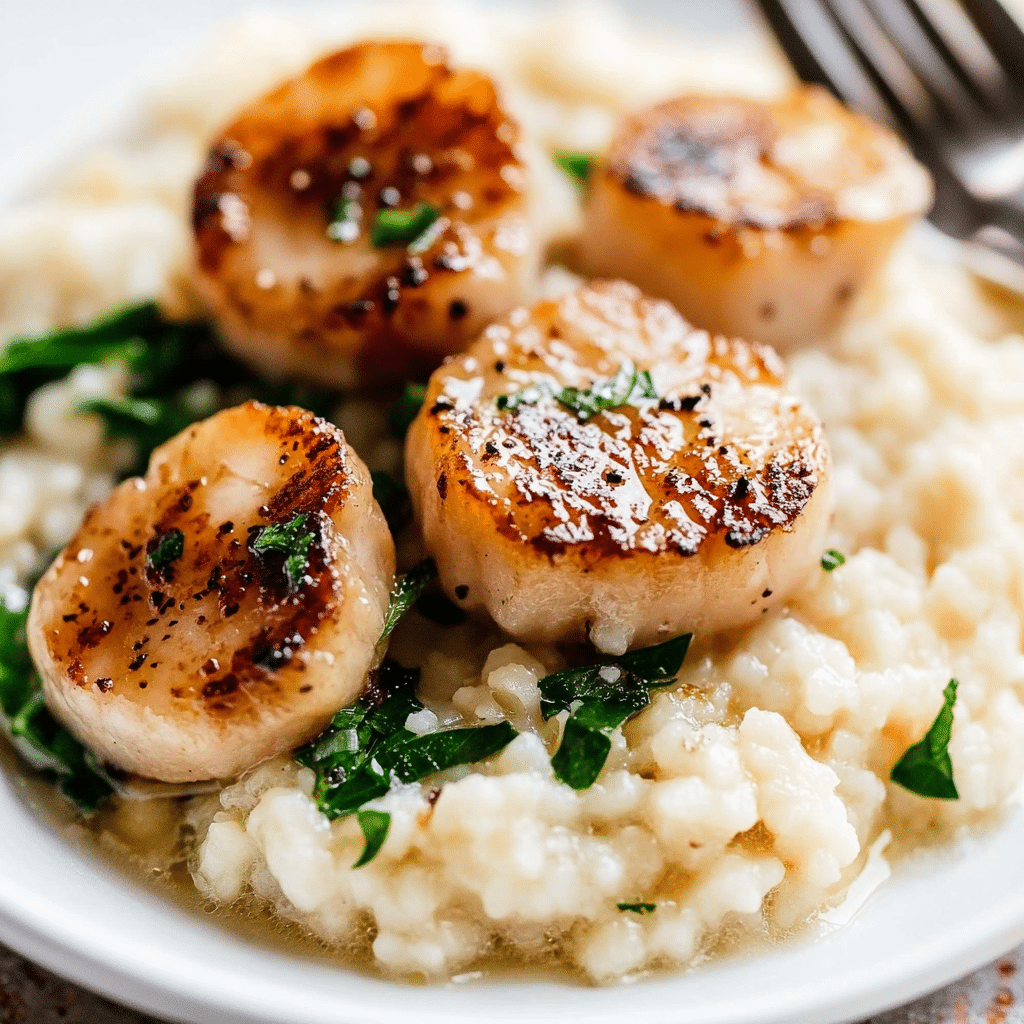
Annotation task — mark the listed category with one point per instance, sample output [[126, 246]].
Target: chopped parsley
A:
[[375, 826], [579, 166], [45, 744], [408, 588], [290, 540], [832, 559], [343, 226], [639, 908], [628, 385], [530, 395], [926, 768], [367, 748], [411, 228], [600, 698], [169, 547]]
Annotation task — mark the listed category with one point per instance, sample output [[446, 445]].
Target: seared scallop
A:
[[219, 610], [366, 218], [634, 507], [758, 219]]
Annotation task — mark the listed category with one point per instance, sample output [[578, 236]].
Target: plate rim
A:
[[30, 928], [167, 983]]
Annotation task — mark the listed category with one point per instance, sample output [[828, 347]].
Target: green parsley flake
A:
[[406, 592], [638, 908], [600, 698], [367, 749], [628, 385], [344, 223], [405, 227], [169, 547], [289, 540], [579, 166], [375, 826], [926, 768], [832, 559], [526, 396]]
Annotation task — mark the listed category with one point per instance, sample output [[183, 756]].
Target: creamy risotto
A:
[[744, 800]]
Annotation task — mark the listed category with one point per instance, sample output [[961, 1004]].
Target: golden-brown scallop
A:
[[757, 219], [219, 610], [696, 510], [379, 128]]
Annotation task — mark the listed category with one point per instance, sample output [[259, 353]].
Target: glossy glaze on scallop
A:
[[696, 510], [174, 642], [759, 219], [381, 126]]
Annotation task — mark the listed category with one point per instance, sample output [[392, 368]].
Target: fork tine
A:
[[913, 106], [1004, 36], [805, 30], [966, 53], [821, 50], [928, 58]]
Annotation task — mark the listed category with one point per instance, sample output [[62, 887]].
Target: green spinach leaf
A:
[[367, 748], [45, 744], [926, 768], [178, 373], [600, 698]]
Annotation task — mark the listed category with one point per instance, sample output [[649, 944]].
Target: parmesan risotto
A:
[[744, 800]]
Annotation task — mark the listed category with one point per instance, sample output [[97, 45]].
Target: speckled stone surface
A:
[[992, 995], [30, 995]]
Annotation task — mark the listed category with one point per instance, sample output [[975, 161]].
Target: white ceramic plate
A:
[[73, 913], [79, 916]]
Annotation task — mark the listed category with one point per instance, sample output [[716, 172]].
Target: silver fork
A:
[[950, 79]]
